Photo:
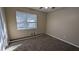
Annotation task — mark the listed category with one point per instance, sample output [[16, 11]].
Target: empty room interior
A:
[[39, 28]]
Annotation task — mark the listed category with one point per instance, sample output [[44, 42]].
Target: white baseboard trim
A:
[[64, 40]]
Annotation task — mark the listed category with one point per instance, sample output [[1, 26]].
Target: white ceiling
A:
[[45, 10]]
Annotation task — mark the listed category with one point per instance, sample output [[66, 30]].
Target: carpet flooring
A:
[[43, 43]]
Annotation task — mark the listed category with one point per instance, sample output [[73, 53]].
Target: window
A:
[[2, 34], [26, 20]]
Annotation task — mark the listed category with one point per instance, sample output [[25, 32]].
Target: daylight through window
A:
[[26, 20]]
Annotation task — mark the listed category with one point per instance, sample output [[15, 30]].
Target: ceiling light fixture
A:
[[47, 7]]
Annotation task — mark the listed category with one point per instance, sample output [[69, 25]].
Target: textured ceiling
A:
[[45, 10]]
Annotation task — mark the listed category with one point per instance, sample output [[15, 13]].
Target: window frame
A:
[[27, 22]]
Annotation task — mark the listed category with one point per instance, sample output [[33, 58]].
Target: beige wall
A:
[[64, 24], [11, 22]]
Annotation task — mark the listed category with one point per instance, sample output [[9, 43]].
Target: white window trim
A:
[[27, 22]]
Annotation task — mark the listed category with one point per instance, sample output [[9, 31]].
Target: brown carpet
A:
[[43, 43]]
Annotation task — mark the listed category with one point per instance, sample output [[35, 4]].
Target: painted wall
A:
[[11, 22], [64, 24]]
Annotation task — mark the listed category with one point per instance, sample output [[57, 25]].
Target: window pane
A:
[[22, 25], [0, 29], [26, 20], [1, 34], [32, 25], [31, 18], [21, 17]]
